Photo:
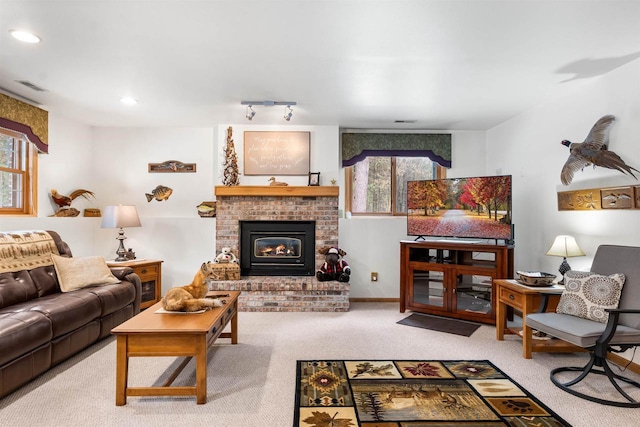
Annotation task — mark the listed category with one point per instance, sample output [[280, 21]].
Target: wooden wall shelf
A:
[[283, 191]]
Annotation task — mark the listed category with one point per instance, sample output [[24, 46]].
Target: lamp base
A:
[[564, 267], [121, 252]]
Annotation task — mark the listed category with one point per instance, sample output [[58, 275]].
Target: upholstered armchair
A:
[[586, 319]]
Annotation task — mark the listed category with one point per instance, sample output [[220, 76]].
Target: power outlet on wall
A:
[[374, 276]]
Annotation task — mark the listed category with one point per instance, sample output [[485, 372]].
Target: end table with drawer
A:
[[511, 294], [150, 273]]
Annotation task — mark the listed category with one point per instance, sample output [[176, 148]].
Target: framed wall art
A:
[[276, 153]]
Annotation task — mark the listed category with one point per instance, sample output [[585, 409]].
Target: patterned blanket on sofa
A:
[[25, 250]]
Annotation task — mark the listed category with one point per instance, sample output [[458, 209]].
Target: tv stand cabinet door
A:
[[429, 288]]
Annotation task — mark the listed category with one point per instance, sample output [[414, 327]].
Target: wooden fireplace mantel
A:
[[273, 190]]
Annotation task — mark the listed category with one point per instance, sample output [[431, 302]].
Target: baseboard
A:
[[621, 361], [374, 299]]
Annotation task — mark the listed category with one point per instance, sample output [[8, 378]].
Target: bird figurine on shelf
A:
[[593, 151], [273, 181], [64, 202]]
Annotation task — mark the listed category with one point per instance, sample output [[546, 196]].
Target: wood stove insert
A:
[[277, 248]]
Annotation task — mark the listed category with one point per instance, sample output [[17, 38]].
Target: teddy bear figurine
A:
[[334, 267], [226, 256]]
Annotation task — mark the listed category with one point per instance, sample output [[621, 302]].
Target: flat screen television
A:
[[471, 208]]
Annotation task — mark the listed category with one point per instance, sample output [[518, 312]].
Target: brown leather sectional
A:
[[40, 326]]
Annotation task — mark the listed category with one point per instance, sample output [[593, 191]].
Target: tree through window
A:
[[377, 185], [17, 174]]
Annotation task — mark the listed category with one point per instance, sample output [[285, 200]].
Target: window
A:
[[17, 174], [377, 185]]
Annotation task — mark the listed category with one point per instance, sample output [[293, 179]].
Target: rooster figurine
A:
[[64, 202]]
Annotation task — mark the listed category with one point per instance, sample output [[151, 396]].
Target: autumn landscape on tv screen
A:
[[477, 207]]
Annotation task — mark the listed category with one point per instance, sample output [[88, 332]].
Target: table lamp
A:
[[565, 246], [120, 216]]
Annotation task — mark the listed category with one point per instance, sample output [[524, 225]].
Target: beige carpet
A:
[[253, 383]]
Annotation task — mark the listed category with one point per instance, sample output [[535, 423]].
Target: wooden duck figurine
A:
[[273, 181]]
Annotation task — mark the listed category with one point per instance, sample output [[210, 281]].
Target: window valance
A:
[[357, 146], [26, 119]]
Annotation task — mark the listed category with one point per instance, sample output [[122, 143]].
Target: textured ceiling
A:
[[357, 64]]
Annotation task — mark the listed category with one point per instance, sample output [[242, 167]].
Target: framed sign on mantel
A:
[[276, 153]]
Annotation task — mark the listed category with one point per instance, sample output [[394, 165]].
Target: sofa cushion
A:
[[67, 311], [77, 273], [588, 295], [114, 297], [45, 280], [16, 287], [21, 333]]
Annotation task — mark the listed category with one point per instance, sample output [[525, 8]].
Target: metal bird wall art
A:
[[593, 151]]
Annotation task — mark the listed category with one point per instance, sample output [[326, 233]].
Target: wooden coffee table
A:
[[151, 334]]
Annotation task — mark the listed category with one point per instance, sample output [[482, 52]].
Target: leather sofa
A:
[[41, 326]]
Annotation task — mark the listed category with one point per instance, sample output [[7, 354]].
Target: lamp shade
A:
[[120, 216], [565, 246]]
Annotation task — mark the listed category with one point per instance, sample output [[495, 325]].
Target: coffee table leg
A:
[[122, 370], [234, 328], [201, 371]]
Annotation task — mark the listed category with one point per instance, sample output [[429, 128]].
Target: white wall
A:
[[528, 147]]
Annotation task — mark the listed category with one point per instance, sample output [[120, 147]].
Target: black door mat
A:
[[440, 324]]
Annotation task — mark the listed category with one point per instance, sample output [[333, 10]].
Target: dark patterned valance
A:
[[26, 119], [357, 146]]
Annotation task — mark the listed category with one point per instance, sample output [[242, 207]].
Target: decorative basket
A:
[[226, 271], [535, 278]]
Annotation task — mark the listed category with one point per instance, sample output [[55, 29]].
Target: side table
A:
[[528, 299], [150, 273]]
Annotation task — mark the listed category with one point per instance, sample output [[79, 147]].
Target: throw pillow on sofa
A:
[[80, 272], [587, 295]]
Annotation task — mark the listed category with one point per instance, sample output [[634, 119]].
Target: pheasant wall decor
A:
[[64, 202], [593, 151]]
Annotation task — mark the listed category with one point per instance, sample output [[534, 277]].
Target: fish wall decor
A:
[[159, 193]]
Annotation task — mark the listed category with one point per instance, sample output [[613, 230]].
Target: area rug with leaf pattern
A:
[[413, 393]]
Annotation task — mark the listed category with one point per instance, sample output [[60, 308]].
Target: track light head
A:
[[288, 112], [250, 113]]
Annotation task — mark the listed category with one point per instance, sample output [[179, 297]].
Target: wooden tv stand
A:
[[453, 279]]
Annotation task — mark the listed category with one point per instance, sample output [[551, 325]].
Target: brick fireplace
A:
[[273, 203]]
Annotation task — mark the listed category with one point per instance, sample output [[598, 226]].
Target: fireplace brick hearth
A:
[[264, 203]]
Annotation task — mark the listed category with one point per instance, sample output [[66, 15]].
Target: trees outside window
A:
[[17, 174], [377, 185]]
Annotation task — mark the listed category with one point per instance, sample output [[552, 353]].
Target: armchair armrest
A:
[[623, 310], [612, 323]]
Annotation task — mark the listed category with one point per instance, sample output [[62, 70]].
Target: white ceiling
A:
[[353, 63]]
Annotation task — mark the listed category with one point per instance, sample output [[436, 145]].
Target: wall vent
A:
[[31, 85]]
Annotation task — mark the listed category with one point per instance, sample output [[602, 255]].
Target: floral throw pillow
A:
[[587, 295]]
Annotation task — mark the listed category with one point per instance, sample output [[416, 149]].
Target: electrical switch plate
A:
[[374, 277]]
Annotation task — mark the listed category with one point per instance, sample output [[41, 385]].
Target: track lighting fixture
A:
[[250, 113], [288, 112]]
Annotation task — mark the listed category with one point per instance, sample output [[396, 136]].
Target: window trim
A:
[[441, 172], [30, 186]]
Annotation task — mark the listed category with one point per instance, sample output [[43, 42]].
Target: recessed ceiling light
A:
[[24, 36], [127, 100]]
